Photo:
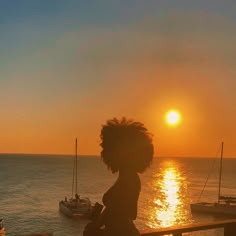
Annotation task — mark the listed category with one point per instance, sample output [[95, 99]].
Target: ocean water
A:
[[31, 187]]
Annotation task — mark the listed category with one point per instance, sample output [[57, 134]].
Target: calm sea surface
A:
[[31, 187]]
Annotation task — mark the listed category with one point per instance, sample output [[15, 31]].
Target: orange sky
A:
[[66, 82]]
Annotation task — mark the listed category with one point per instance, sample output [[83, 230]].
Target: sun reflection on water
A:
[[170, 202]]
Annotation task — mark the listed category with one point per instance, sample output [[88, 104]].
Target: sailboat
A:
[[225, 205], [76, 205]]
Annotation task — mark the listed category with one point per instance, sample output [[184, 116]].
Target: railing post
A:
[[230, 229]]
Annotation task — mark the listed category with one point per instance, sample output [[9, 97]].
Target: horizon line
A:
[[97, 155]]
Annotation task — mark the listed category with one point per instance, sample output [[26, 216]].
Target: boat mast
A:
[[76, 182], [221, 157]]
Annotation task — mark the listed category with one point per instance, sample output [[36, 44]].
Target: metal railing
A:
[[229, 227]]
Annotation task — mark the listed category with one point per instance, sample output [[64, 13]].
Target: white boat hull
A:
[[214, 208], [76, 207]]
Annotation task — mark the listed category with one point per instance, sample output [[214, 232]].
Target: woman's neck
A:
[[126, 172]]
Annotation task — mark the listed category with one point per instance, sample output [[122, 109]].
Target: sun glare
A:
[[173, 117]]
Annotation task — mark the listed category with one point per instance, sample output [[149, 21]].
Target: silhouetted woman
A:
[[126, 148]]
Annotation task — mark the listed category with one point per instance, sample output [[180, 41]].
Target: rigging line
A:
[[208, 176], [221, 156]]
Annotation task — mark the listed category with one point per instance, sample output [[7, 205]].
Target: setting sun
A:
[[173, 117]]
